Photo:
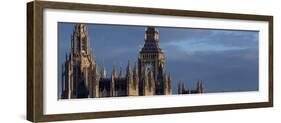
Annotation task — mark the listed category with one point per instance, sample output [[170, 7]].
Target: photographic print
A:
[[88, 61], [103, 60]]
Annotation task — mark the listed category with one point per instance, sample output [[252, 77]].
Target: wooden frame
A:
[[35, 60]]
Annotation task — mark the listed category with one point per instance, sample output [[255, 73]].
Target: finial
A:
[[114, 74], [121, 74], [136, 68]]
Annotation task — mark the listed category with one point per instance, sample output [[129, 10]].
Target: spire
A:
[[135, 71], [135, 76], [112, 87], [130, 80], [114, 72], [180, 87], [112, 83], [121, 74], [183, 86], [80, 42], [201, 87], [170, 80], [198, 89], [129, 69], [103, 71], [96, 71]]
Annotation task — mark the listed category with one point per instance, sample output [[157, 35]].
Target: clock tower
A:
[[152, 59]]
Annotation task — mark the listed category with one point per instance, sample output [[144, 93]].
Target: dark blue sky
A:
[[226, 60]]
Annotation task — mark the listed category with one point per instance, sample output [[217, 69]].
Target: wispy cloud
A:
[[190, 46]]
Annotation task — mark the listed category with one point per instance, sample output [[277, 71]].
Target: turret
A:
[[167, 84], [112, 82], [151, 34], [135, 77], [129, 70], [121, 73], [199, 88], [181, 87], [79, 40], [114, 72], [131, 84]]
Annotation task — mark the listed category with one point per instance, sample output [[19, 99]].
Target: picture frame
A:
[[36, 18]]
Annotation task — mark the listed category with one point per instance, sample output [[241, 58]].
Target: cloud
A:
[[222, 37], [231, 70], [177, 34], [212, 41]]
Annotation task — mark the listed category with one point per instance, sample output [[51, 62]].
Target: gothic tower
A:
[[152, 58], [81, 77], [79, 66]]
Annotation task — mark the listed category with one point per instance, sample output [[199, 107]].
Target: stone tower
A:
[[82, 78], [79, 67], [152, 59]]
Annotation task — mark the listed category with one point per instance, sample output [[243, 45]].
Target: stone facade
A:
[[154, 78], [78, 71], [81, 77]]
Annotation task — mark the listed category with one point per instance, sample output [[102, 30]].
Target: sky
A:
[[225, 60]]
